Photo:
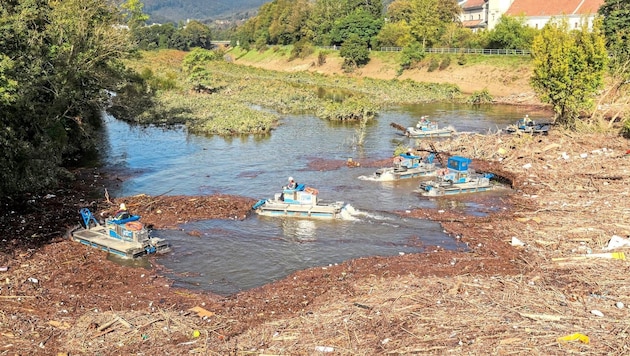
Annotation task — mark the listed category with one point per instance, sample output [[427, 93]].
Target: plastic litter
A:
[[324, 349], [617, 242], [597, 312], [575, 337]]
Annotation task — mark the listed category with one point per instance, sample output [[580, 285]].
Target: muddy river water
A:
[[232, 255]]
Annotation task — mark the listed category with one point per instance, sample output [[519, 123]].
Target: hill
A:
[[174, 11]]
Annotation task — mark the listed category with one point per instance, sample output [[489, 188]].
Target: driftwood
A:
[[398, 126]]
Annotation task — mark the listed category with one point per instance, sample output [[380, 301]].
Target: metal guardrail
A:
[[504, 52]]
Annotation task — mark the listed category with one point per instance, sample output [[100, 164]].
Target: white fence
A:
[[504, 52]]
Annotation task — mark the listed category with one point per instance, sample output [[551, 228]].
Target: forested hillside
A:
[[181, 10]]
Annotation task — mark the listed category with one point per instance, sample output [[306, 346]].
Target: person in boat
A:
[[122, 212], [292, 183]]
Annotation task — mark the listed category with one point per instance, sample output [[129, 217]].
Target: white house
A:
[[485, 14]]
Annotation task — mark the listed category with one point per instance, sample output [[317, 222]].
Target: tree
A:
[[64, 55], [511, 33], [427, 19], [133, 15], [354, 51], [569, 67], [616, 23], [359, 22]]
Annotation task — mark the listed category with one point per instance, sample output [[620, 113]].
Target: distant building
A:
[[485, 14]]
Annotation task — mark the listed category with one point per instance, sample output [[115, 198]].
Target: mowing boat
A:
[[407, 165], [456, 179], [125, 237], [426, 128], [301, 202], [529, 126]]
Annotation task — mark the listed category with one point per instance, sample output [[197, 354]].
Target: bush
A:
[[321, 58], [462, 59], [302, 49], [446, 61], [433, 64], [480, 97], [411, 55]]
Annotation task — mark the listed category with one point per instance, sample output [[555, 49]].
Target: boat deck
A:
[[97, 237], [271, 208]]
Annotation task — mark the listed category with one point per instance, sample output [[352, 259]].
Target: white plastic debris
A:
[[527, 166], [617, 242], [517, 242], [584, 155], [565, 155], [324, 349], [597, 312], [33, 280], [619, 305]]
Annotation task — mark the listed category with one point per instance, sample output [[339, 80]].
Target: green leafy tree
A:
[[616, 23], [322, 20], [511, 33], [196, 34], [133, 15], [427, 19], [354, 51], [63, 56], [397, 34], [569, 68], [154, 37], [359, 22], [616, 26]]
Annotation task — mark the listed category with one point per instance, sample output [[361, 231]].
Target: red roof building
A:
[[480, 14]]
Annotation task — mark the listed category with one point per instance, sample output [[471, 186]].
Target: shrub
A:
[[302, 49], [321, 58], [480, 97], [433, 64], [462, 59], [446, 61]]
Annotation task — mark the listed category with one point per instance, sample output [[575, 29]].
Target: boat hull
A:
[[429, 134], [390, 174], [283, 209], [125, 244], [432, 189]]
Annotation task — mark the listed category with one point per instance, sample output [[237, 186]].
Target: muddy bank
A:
[[497, 297]]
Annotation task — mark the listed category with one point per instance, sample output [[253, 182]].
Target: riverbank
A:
[[507, 297], [506, 78]]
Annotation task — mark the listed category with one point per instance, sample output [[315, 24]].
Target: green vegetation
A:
[[569, 68], [58, 61], [212, 96], [480, 97]]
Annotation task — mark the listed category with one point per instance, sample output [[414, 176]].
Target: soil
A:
[[535, 278]]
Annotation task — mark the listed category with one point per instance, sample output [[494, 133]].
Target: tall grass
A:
[[247, 100]]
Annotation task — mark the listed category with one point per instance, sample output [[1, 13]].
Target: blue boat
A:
[[407, 165], [126, 237], [301, 202], [529, 126], [426, 128], [457, 178]]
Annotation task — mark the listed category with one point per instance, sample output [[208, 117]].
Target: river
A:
[[232, 256]]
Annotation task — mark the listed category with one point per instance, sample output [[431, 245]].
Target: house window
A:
[[536, 26], [576, 25], [471, 16], [479, 17]]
